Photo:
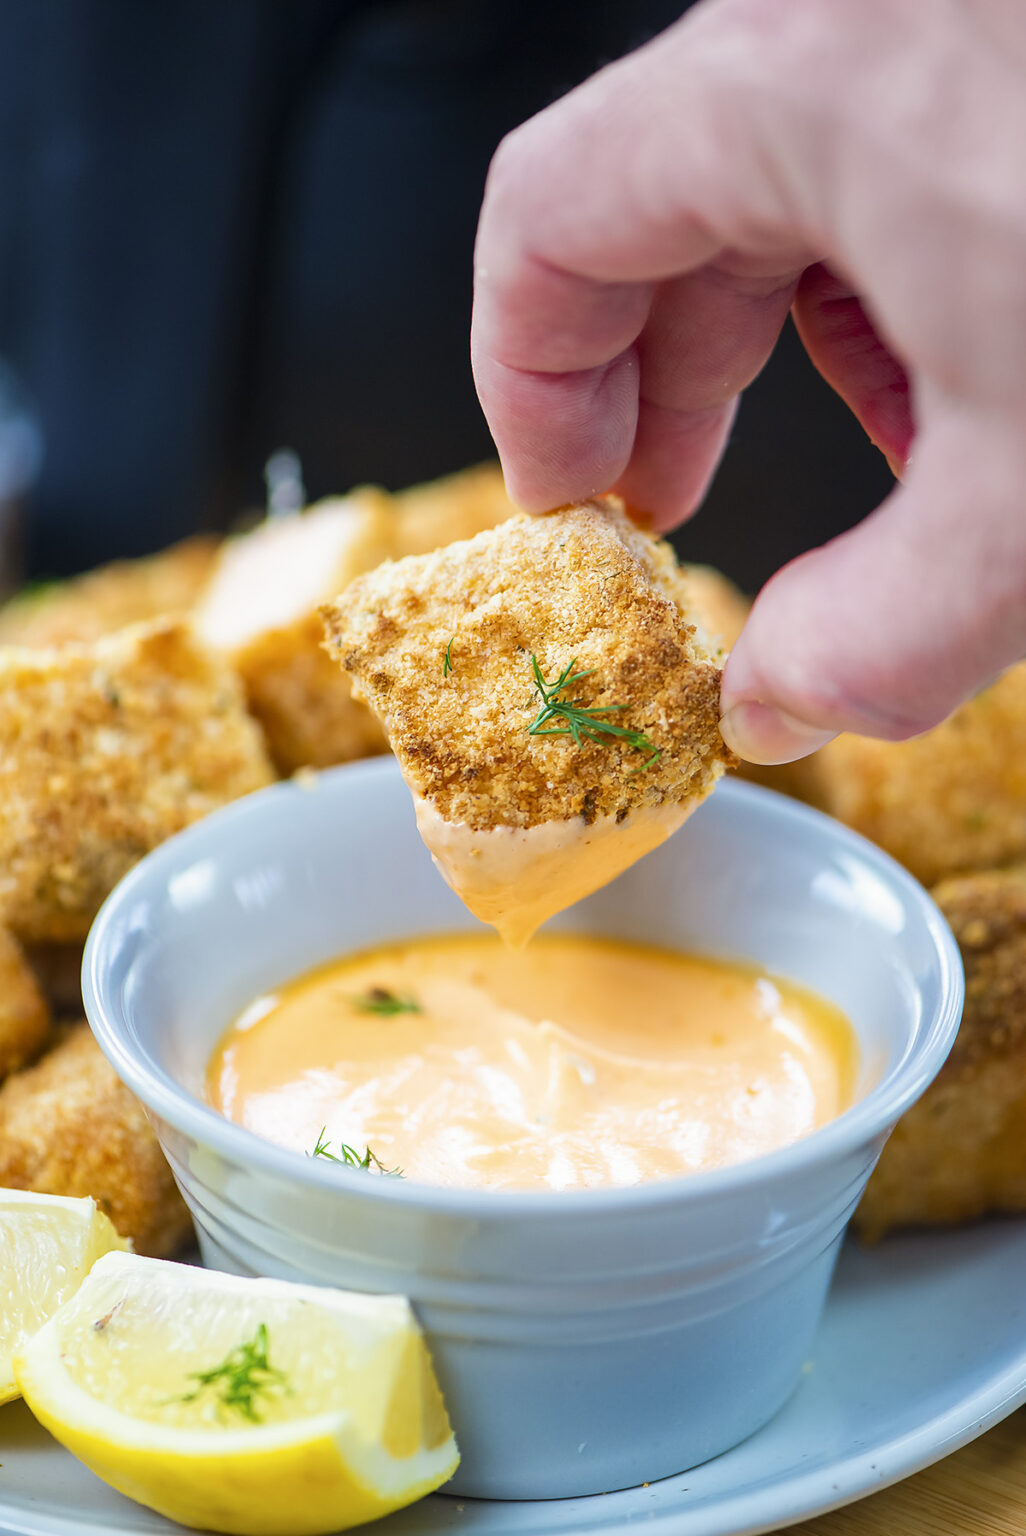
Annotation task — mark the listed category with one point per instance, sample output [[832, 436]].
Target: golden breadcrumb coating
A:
[[952, 799], [69, 1126], [719, 606], [105, 751], [301, 698], [582, 585], [304, 704], [427, 517], [722, 608], [101, 601], [260, 609], [960, 1152], [24, 1015]]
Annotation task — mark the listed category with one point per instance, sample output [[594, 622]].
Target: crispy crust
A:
[[69, 1126], [960, 1152], [124, 592], [304, 704], [582, 584], [719, 606], [722, 609], [301, 698], [105, 751], [427, 517], [24, 1015], [953, 799]]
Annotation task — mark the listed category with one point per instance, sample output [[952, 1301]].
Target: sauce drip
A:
[[516, 878]]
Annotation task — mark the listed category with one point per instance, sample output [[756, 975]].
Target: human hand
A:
[[640, 245]]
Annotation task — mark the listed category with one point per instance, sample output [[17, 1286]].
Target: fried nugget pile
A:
[[960, 1151], [133, 700], [951, 806], [136, 698]]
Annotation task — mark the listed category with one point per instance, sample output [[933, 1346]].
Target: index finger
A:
[[636, 258]]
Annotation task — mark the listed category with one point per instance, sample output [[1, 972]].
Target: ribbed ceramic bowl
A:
[[586, 1340]]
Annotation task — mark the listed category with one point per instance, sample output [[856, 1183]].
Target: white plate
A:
[[923, 1347]]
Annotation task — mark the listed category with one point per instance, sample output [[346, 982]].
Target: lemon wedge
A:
[[48, 1244], [250, 1406]]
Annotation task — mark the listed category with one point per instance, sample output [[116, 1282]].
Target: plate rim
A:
[[849, 1484], [750, 1512]]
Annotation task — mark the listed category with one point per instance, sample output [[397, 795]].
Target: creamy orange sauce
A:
[[516, 878], [579, 1062]]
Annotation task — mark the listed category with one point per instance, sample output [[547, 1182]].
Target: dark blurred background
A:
[[232, 225]]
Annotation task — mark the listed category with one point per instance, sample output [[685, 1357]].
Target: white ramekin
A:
[[585, 1341]]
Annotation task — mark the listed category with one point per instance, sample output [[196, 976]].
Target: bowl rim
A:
[[855, 1127]]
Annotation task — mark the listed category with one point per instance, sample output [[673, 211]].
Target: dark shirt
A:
[[232, 225]]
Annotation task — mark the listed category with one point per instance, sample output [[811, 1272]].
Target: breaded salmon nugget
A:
[[69, 1126], [553, 710], [719, 606], [961, 1152], [260, 610], [24, 1015], [105, 751], [125, 592], [427, 517], [722, 609], [952, 799]]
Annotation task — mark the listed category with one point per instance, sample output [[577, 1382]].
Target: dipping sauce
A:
[[577, 1063]]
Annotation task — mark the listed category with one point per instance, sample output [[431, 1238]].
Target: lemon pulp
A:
[[249, 1406], [48, 1244]]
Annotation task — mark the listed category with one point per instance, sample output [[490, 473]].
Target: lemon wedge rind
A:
[[308, 1470], [48, 1244]]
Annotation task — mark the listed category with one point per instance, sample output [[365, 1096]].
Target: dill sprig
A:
[[349, 1156], [447, 662], [583, 722], [243, 1374], [383, 1001]]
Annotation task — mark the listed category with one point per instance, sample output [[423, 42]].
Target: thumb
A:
[[885, 630]]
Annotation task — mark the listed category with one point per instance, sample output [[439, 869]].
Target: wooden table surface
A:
[[979, 1491]]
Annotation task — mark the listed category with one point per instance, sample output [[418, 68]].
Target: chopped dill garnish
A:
[[383, 1001], [447, 663], [583, 722], [349, 1156], [243, 1374]]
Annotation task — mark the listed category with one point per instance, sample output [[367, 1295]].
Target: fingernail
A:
[[898, 464], [761, 733]]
